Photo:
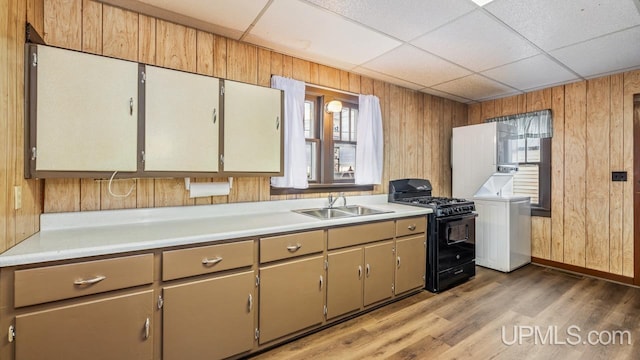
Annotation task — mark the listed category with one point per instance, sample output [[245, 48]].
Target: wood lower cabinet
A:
[[291, 297], [113, 328], [212, 318], [411, 254], [358, 277]]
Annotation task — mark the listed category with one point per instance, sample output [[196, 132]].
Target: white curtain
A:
[[369, 151], [295, 162], [530, 125]]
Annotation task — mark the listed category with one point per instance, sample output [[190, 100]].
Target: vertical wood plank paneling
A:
[[175, 46], [63, 23], [91, 27], [287, 66], [6, 51], [328, 76], [597, 174], [146, 39], [557, 175], [276, 64], [344, 80], [428, 128], [409, 125], [474, 114], [35, 15], [575, 167], [445, 148], [616, 162], [540, 230], [488, 110], [120, 36], [438, 129], [420, 139], [396, 140], [219, 56], [354, 83], [300, 70], [539, 100], [631, 87], [381, 90]]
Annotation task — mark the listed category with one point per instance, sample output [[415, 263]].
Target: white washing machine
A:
[[503, 225]]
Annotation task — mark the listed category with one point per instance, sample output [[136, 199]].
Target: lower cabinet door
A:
[[344, 282], [379, 268], [113, 328], [291, 297], [209, 319], [411, 263]]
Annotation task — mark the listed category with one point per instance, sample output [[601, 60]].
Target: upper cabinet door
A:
[[252, 128], [87, 111], [181, 121]]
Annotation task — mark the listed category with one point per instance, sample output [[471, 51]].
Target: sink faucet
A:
[[333, 200]]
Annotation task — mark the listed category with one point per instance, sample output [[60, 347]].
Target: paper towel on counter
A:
[[208, 189]]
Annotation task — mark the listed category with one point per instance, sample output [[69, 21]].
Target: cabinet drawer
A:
[[288, 246], [360, 234], [40, 285], [409, 226], [206, 259]]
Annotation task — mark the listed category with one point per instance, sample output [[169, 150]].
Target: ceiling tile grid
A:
[[451, 48]]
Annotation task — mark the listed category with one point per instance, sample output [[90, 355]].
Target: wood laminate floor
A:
[[466, 322]]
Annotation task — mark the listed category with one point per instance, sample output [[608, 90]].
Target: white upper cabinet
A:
[[181, 121], [252, 128], [86, 112]]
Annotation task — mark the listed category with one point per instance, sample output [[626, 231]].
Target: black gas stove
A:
[[451, 232]]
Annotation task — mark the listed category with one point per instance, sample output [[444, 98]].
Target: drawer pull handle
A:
[[321, 282], [95, 280], [250, 302], [398, 261], [147, 328], [411, 227], [207, 261], [359, 271], [294, 248], [368, 270]]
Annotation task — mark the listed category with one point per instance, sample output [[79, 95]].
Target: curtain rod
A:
[[325, 88]]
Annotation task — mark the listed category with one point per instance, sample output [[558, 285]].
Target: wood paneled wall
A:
[[417, 126], [591, 224], [15, 225]]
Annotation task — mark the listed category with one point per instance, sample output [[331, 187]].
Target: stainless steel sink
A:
[[339, 212], [360, 210]]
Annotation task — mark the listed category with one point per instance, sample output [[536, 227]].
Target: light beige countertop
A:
[[81, 234]]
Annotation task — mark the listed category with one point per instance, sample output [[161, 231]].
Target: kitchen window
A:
[[330, 143]]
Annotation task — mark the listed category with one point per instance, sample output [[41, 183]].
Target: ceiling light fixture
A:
[[333, 106]]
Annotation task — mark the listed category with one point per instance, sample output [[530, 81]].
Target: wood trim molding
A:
[[636, 188], [583, 270]]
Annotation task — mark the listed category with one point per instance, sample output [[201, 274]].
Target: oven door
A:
[[456, 237]]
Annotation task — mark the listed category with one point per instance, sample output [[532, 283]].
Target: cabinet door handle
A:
[[95, 280], [398, 261], [250, 302], [277, 122], [321, 282], [368, 270], [207, 261], [215, 115], [411, 227], [294, 248], [359, 271], [131, 106], [147, 328]]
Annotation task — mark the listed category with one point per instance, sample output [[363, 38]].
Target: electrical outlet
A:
[[618, 176], [17, 197]]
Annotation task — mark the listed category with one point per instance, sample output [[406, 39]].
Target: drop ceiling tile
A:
[[445, 95], [477, 42], [475, 87], [404, 20], [552, 24], [607, 54], [390, 79], [412, 64], [303, 30], [231, 14], [531, 73]]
